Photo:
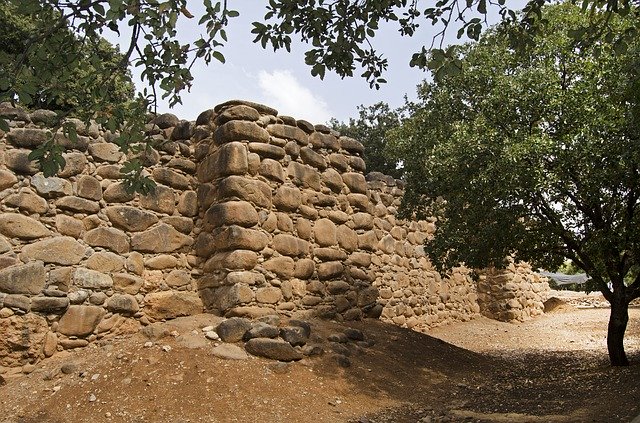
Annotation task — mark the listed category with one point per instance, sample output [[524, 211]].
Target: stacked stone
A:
[[512, 294], [285, 208], [412, 293], [78, 253]]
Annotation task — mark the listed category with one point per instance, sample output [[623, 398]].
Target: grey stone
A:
[[261, 330], [63, 250], [233, 329], [86, 278], [294, 335], [274, 349], [49, 304], [229, 352], [23, 278], [123, 304]]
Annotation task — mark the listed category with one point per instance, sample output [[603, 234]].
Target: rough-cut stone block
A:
[[362, 221], [131, 219], [105, 262], [274, 349], [80, 320], [304, 269], [105, 152], [226, 297], [18, 161], [28, 201], [14, 225], [282, 266], [328, 141], [162, 200], [267, 150], [239, 112], [359, 202], [91, 279], [330, 270], [126, 283], [240, 130], [252, 190], [59, 250], [160, 239], [49, 304], [268, 295], [178, 278], [312, 158], [290, 246], [172, 304], [235, 237], [23, 279], [188, 204], [355, 182], [339, 161], [78, 205], [240, 213], [332, 179], [116, 193], [123, 304], [289, 133], [287, 198], [111, 238], [171, 178], [271, 169], [75, 163], [7, 179], [304, 176], [28, 137], [232, 260], [351, 145], [329, 254], [324, 232], [347, 238]]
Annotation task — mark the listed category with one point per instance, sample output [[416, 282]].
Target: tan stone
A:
[[241, 188], [172, 304], [351, 145], [270, 223], [135, 263], [355, 182], [160, 239], [333, 180], [320, 140], [304, 176], [330, 270], [162, 261], [105, 262], [240, 130], [162, 200], [89, 187], [92, 279], [7, 179], [338, 216], [22, 339], [126, 283], [70, 226], [235, 237], [130, 219], [329, 254], [357, 164], [362, 221], [359, 202], [267, 150], [240, 213], [290, 246], [50, 345], [178, 278], [226, 297], [116, 193], [110, 238], [27, 200], [271, 169], [347, 238], [182, 224], [232, 260], [339, 161], [80, 320], [312, 158], [268, 295], [239, 112], [324, 232], [78, 205], [318, 199], [18, 161], [387, 244], [14, 225], [23, 278], [253, 160], [171, 178], [109, 171], [188, 204], [245, 278], [288, 132], [282, 266], [287, 198], [60, 250], [123, 304], [4, 245], [106, 152], [303, 228], [304, 269], [360, 259], [368, 241], [228, 159]]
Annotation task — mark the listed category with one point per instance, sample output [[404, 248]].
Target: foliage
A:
[[342, 32], [371, 129], [533, 156]]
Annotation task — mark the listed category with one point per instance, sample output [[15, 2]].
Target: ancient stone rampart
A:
[[253, 214]]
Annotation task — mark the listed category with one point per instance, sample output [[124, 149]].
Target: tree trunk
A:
[[617, 326]]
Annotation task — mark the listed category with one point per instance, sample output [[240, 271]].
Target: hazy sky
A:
[[283, 81]]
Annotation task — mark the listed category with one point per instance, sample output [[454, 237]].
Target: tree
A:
[[341, 33], [371, 129], [59, 88], [534, 156]]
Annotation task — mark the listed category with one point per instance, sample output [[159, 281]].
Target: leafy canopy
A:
[[531, 155]]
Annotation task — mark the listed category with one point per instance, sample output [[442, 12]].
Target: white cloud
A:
[[281, 90]]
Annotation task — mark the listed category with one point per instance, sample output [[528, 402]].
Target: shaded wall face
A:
[[291, 223]]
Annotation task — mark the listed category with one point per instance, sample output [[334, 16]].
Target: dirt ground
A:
[[550, 369]]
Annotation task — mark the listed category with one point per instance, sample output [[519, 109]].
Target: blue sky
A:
[[283, 81]]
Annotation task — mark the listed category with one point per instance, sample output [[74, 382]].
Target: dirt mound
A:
[[556, 305]]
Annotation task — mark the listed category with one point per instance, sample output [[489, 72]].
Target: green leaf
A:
[[218, 56]]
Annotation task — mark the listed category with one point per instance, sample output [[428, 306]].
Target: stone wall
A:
[[79, 256], [253, 214]]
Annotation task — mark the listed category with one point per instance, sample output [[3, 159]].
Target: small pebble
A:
[[92, 398], [166, 348]]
